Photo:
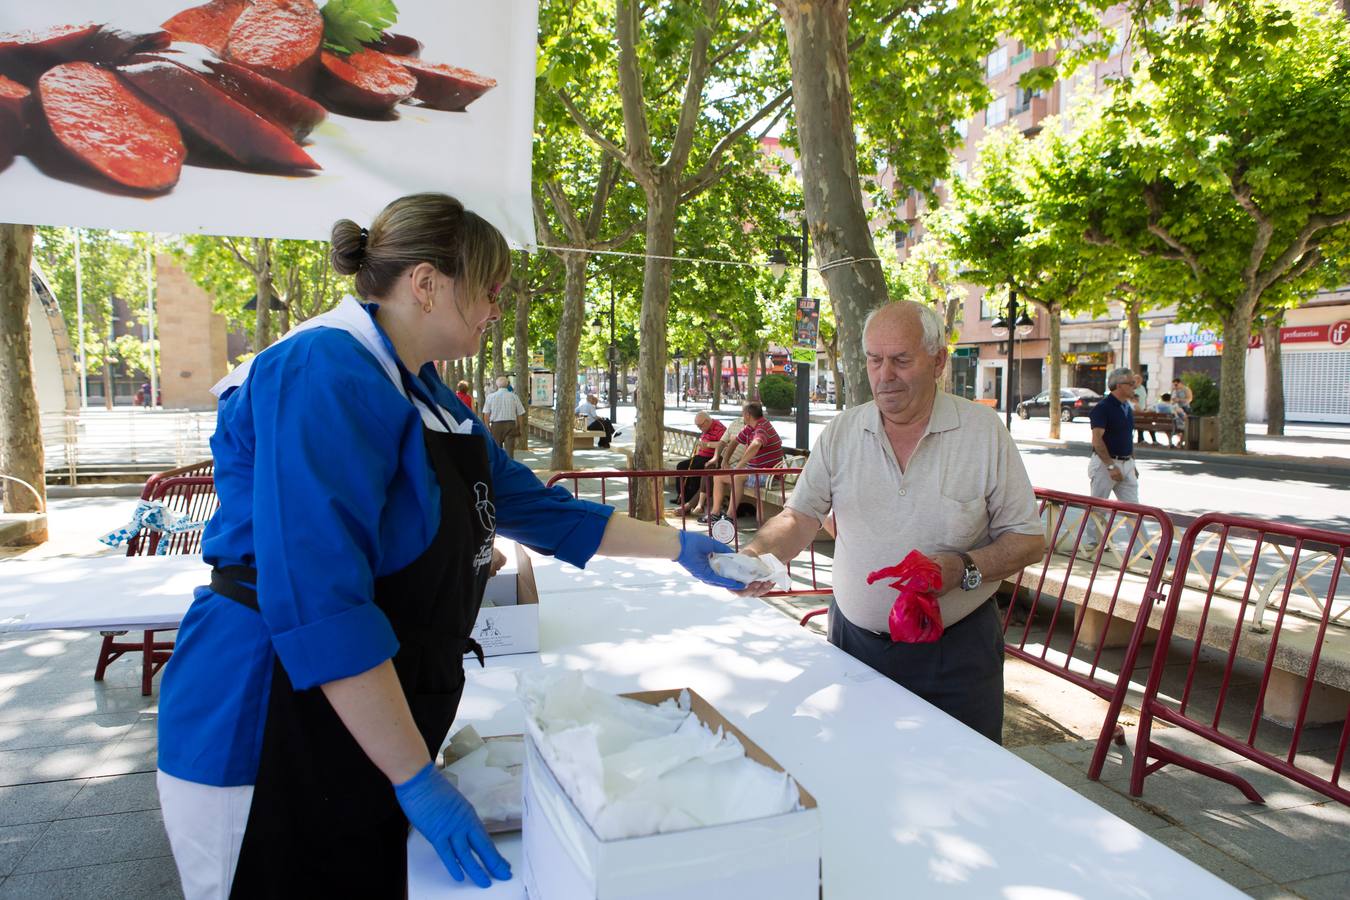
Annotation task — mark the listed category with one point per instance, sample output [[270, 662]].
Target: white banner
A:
[[122, 130]]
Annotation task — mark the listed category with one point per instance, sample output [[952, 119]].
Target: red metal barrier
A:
[[1077, 598], [193, 495], [774, 496], [1232, 592]]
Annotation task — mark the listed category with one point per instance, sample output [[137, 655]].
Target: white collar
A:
[[350, 316]]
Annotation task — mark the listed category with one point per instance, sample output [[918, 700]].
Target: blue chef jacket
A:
[[324, 486]]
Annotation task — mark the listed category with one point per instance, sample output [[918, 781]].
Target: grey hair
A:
[[1117, 376], [502, 381], [928, 319]]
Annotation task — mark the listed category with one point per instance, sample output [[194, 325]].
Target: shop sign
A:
[[1336, 334], [1189, 339]]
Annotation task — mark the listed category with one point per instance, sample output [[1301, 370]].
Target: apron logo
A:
[[487, 513]]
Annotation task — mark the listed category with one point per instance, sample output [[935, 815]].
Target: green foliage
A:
[[347, 24], [1204, 393], [777, 392], [112, 264]]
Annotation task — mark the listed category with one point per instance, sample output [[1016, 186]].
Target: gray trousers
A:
[[961, 673]]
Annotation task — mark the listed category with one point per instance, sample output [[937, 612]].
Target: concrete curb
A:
[[17, 529], [68, 492], [1320, 465]]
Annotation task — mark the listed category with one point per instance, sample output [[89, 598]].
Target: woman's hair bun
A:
[[348, 247]]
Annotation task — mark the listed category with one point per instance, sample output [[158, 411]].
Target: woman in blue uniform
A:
[[317, 676]]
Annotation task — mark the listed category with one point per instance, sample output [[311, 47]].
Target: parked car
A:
[[1073, 403]]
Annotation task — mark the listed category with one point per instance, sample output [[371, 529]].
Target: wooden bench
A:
[[1155, 422], [540, 420]]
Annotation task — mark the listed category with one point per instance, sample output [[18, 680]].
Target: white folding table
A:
[[912, 803]]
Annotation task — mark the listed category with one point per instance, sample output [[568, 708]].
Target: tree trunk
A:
[[751, 376], [1237, 332], [735, 374], [1056, 368], [1132, 312], [479, 371], [716, 357], [524, 300], [565, 376], [1270, 339], [262, 292], [107, 373], [498, 362], [20, 425], [817, 32], [648, 452]]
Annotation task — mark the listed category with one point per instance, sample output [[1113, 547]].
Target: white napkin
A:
[[635, 769], [746, 569]]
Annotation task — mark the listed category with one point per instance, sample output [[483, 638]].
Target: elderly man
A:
[[916, 468], [763, 450], [710, 433], [1112, 467], [501, 409], [595, 421]]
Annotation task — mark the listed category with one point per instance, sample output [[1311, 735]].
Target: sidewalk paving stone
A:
[[140, 878], [43, 801], [97, 840]]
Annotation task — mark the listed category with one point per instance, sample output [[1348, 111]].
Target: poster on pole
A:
[[266, 118], [806, 324]]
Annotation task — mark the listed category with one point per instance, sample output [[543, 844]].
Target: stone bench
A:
[[1091, 599], [540, 425]]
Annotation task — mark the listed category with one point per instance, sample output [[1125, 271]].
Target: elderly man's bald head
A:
[[906, 315], [905, 355]]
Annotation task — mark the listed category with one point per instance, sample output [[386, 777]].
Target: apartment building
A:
[[1315, 341]]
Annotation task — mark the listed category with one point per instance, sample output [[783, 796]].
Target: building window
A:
[[1117, 40], [1023, 54], [959, 169], [997, 63], [991, 305], [1022, 100], [963, 128], [996, 113]]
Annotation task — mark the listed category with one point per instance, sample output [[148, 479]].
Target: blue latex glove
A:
[[695, 547], [448, 821]]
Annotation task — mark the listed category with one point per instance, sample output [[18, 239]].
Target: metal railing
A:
[[123, 443]]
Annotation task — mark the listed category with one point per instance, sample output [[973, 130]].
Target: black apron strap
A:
[[237, 583]]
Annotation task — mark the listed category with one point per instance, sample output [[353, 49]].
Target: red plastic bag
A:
[[915, 617]]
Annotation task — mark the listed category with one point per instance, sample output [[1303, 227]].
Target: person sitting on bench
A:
[[595, 421], [710, 436], [763, 450], [1165, 405]]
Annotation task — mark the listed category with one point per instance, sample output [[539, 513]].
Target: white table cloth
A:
[[913, 803]]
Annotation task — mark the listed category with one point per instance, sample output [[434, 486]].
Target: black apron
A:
[[324, 820]]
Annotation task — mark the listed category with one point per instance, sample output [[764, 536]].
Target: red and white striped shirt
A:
[[770, 444]]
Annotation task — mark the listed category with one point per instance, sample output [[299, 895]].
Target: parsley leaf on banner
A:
[[347, 24]]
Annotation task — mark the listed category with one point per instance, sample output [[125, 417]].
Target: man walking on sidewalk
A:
[[1112, 467], [502, 408]]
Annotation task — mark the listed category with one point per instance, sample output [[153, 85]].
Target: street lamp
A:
[[612, 355], [1021, 326], [778, 266]]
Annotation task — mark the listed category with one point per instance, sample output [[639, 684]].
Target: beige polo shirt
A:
[[964, 488]]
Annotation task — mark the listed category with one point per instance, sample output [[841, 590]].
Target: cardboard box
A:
[[511, 626], [777, 857]]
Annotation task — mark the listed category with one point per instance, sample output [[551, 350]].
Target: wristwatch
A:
[[970, 576]]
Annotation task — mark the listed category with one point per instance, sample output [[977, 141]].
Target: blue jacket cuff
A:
[[351, 642], [579, 544]]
